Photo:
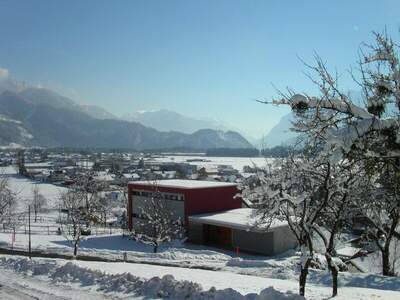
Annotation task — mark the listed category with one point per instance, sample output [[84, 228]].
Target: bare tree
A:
[[38, 201], [81, 202], [8, 201], [286, 191], [338, 192], [75, 221], [88, 189], [382, 214], [313, 195], [157, 222], [364, 133]]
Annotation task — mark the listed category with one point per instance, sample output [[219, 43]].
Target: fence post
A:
[[237, 251]]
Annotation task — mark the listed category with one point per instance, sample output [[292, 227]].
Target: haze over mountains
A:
[[167, 120], [41, 117], [280, 134], [36, 116]]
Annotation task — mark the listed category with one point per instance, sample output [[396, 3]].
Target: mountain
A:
[[13, 132], [281, 134], [8, 84], [96, 112], [166, 120], [51, 98], [42, 117]]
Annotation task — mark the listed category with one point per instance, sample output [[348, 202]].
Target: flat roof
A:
[[184, 183], [239, 218]]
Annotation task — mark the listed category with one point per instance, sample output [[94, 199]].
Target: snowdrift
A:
[[166, 287]]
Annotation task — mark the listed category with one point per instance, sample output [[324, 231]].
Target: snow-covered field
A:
[[23, 187], [210, 161]]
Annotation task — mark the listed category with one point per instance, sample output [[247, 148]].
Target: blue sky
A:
[[208, 59]]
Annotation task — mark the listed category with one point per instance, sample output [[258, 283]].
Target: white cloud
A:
[[3, 73]]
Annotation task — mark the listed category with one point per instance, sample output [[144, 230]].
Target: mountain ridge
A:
[[51, 120]]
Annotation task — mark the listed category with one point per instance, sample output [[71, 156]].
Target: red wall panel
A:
[[197, 200]]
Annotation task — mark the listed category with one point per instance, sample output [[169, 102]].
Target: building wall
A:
[[196, 200], [264, 243], [284, 239], [196, 233], [143, 204], [254, 242]]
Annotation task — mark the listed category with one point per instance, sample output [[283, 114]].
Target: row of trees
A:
[[84, 205], [349, 166]]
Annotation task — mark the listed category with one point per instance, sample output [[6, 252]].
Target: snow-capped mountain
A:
[[45, 118], [167, 120], [280, 134]]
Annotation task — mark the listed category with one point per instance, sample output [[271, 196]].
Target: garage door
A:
[[219, 236]]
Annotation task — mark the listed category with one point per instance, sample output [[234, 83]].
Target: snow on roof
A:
[[240, 218], [130, 175], [348, 251], [185, 183]]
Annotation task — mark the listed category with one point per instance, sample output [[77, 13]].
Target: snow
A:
[[126, 280], [240, 218], [134, 283], [17, 286], [184, 184], [23, 188], [348, 251], [245, 274], [212, 162]]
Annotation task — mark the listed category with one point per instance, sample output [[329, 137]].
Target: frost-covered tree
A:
[[82, 204], [75, 221], [366, 133], [337, 192], [8, 201], [286, 192], [381, 212], [311, 193], [87, 189], [157, 223], [38, 202]]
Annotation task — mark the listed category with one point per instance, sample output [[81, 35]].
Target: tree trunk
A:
[[334, 274], [386, 268], [303, 278], [334, 282], [75, 248], [155, 248]]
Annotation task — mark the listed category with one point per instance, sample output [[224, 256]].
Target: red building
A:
[[185, 197]]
